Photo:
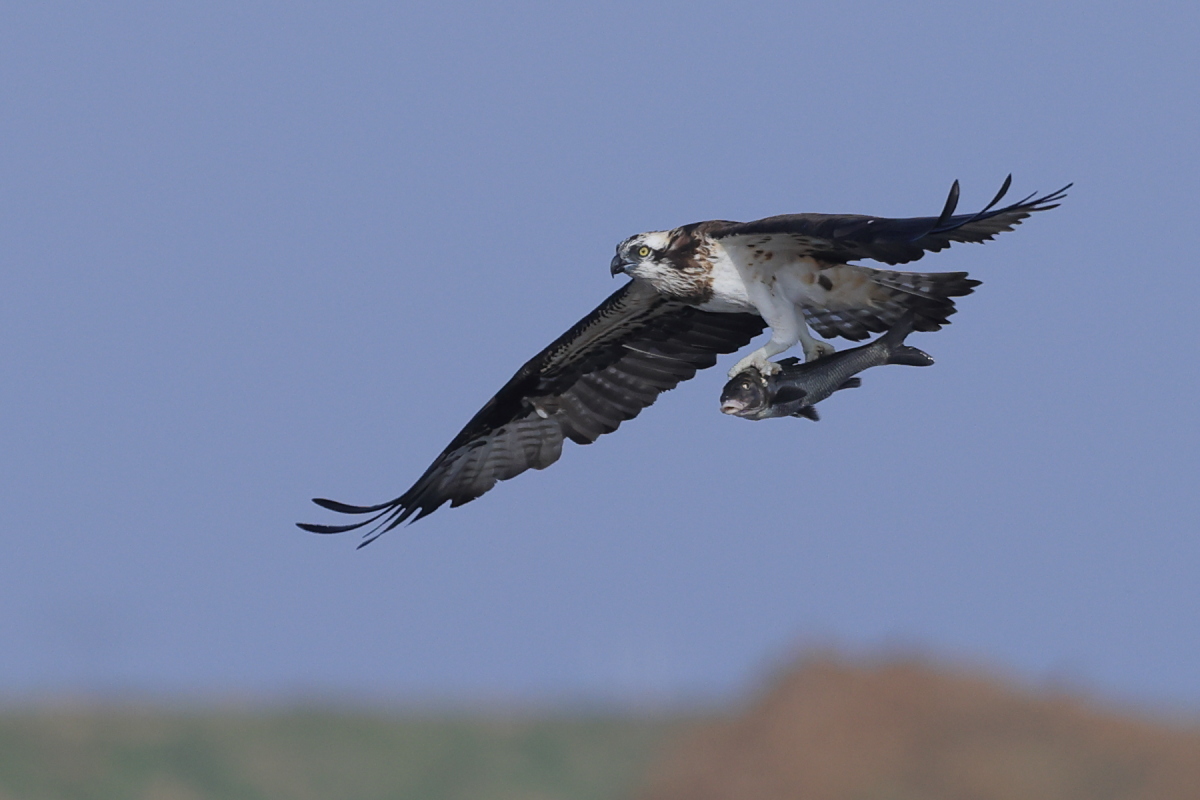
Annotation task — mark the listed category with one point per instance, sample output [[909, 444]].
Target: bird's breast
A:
[[728, 284]]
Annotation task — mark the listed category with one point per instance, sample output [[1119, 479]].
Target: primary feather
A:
[[698, 291]]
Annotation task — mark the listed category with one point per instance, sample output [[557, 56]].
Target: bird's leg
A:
[[787, 327], [814, 348]]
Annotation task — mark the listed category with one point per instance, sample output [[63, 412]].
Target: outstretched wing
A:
[[838, 238], [604, 370]]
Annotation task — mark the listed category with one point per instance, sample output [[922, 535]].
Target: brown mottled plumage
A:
[[698, 291]]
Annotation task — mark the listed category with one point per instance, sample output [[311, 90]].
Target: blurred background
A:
[[253, 253]]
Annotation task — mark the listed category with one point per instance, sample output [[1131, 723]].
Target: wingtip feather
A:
[[1000, 194], [951, 204], [313, 528], [346, 508]]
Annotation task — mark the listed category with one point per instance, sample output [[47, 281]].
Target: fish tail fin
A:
[[910, 356], [896, 334], [898, 351]]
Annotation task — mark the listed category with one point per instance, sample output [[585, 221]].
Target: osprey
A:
[[698, 291]]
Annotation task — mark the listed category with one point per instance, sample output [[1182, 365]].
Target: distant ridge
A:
[[830, 730]]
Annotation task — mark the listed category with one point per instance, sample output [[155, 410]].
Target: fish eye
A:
[[643, 251]]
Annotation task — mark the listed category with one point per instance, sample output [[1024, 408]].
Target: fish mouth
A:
[[733, 407]]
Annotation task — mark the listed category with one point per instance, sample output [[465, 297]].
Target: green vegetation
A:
[[156, 755]]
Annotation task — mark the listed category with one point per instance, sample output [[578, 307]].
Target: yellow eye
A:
[[643, 251]]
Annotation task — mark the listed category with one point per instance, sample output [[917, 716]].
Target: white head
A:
[[640, 256], [670, 261]]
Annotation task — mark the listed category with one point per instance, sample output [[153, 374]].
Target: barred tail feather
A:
[[927, 295]]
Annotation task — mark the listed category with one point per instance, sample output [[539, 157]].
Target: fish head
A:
[[744, 394]]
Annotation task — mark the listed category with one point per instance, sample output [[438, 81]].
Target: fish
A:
[[798, 386]]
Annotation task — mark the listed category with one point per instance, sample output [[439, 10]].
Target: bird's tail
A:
[[890, 295], [927, 294]]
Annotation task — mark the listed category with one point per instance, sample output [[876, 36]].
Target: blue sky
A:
[[258, 252]]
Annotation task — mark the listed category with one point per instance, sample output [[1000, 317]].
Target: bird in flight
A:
[[698, 291]]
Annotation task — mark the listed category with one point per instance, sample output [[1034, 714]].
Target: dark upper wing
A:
[[840, 238], [604, 370]]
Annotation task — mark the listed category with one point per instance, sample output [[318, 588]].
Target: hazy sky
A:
[[252, 253]]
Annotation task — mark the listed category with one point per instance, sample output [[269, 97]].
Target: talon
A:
[[758, 361], [818, 350]]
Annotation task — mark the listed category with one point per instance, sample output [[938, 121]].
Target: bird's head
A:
[[674, 262], [643, 255]]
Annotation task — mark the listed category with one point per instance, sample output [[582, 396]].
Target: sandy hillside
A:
[[830, 730]]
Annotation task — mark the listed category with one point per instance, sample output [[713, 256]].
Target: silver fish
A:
[[797, 387]]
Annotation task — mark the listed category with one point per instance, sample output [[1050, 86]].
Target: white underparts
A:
[[775, 288]]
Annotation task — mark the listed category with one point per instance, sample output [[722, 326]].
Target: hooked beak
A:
[[617, 266]]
